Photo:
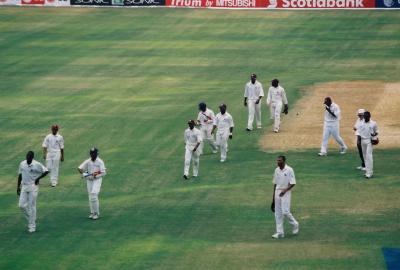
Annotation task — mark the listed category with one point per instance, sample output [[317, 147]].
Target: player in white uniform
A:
[[224, 122], [192, 138], [253, 93], [29, 173], [53, 152], [205, 120], [356, 127], [275, 99], [368, 130], [331, 127], [284, 180], [93, 170]]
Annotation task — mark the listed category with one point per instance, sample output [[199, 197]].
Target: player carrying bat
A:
[[93, 170]]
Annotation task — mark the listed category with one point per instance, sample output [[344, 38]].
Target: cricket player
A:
[[53, 152], [205, 120], [331, 127], [224, 122], [29, 173], [275, 99], [253, 93], [368, 131], [93, 170], [360, 119], [193, 139], [284, 180]]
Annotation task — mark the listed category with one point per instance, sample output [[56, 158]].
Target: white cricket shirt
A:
[[30, 172], [253, 91], [276, 95], [366, 129], [192, 136], [282, 178], [223, 121], [53, 143], [94, 166], [336, 110], [206, 118]]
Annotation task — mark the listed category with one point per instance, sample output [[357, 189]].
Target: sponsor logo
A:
[[388, 3], [236, 3], [117, 2], [272, 4], [323, 4], [186, 3], [91, 2], [143, 2]]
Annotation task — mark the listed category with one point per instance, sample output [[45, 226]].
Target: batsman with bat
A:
[[93, 170], [284, 180], [205, 120]]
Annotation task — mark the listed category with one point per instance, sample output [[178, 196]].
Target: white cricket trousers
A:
[[205, 131], [331, 128], [366, 146], [27, 203], [93, 189], [282, 209], [193, 157], [52, 164], [254, 109], [222, 142], [276, 108]]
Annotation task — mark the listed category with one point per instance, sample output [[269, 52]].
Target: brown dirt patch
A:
[[302, 127]]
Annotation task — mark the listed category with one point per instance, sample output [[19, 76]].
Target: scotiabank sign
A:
[[321, 4], [218, 3]]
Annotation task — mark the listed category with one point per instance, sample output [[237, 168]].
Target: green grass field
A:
[[127, 80]]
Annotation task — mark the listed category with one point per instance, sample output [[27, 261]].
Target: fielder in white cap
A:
[[360, 120], [368, 131], [93, 169]]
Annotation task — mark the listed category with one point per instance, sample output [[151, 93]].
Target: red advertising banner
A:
[[32, 2], [218, 3], [323, 4]]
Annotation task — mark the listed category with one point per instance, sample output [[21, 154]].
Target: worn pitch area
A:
[[302, 127]]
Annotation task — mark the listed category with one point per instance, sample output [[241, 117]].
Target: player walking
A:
[[193, 139], [29, 173], [93, 170], [368, 131], [53, 152], [205, 120], [253, 93], [356, 128], [284, 180], [331, 127], [224, 122], [275, 99]]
